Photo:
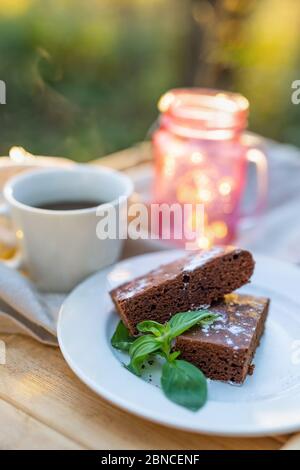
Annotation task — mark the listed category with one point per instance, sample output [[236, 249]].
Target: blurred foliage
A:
[[252, 47], [83, 77]]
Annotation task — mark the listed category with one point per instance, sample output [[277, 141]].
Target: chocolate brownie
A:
[[194, 281], [225, 349]]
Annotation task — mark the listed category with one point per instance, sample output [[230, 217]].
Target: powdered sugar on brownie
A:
[[197, 260], [238, 317]]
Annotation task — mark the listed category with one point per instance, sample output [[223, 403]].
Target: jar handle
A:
[[257, 157]]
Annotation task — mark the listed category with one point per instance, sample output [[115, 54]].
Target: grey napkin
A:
[[24, 309]]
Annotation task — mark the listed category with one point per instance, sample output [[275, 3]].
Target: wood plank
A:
[[18, 431], [293, 443], [37, 381], [127, 158]]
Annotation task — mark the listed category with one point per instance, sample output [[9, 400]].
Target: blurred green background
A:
[[83, 77]]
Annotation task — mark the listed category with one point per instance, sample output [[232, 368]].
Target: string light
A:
[[225, 187], [219, 228]]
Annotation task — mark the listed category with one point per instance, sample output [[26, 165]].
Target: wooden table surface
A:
[[44, 406]]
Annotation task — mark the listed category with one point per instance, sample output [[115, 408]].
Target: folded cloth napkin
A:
[[24, 309]]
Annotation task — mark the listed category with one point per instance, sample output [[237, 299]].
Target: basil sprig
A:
[[182, 382]]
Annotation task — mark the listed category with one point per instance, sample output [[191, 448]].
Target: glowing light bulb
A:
[[204, 242], [197, 157], [205, 195], [225, 187], [219, 228], [19, 234], [165, 102], [20, 155]]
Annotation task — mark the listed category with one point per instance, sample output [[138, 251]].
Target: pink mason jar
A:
[[201, 158]]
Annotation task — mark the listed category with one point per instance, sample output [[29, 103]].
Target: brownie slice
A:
[[190, 282], [225, 349]]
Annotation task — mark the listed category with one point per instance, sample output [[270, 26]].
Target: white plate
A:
[[267, 403]]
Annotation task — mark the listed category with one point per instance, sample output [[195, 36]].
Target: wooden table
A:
[[44, 406]]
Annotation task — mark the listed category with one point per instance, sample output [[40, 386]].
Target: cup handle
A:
[[17, 261], [257, 157]]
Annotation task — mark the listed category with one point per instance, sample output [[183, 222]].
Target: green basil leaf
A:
[[150, 326], [184, 384], [174, 355], [121, 338], [140, 350], [209, 320], [183, 321]]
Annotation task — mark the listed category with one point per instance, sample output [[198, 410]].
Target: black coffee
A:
[[68, 205]]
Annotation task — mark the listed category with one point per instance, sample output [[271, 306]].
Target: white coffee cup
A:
[[61, 248]]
